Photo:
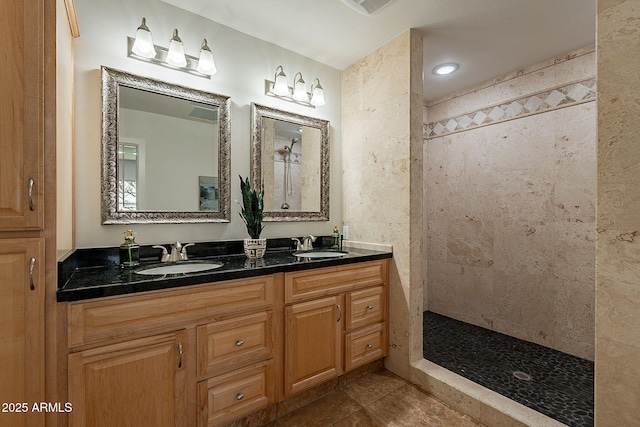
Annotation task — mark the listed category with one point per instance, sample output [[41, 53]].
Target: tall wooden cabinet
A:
[[27, 209], [27, 217]]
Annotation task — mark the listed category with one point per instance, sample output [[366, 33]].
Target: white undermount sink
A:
[[179, 268], [321, 254]]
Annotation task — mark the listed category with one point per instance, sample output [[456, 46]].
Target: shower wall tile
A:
[[463, 281], [383, 176], [525, 306], [516, 200], [617, 383], [618, 266], [524, 246], [436, 242], [574, 308], [523, 195], [470, 243], [470, 197]]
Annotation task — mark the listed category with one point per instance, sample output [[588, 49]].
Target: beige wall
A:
[[618, 253], [510, 181], [382, 177]]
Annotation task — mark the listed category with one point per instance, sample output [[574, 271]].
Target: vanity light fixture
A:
[[142, 48], [444, 69], [298, 94]]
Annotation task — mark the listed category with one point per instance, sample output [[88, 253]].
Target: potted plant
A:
[[251, 214]]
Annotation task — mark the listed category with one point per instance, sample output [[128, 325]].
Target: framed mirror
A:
[[165, 152], [290, 160]]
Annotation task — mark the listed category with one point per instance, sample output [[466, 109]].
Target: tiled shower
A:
[[510, 194]]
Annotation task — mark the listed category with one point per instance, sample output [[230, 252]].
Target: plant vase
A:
[[255, 248]]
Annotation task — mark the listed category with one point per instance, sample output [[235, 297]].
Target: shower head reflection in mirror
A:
[[290, 160]]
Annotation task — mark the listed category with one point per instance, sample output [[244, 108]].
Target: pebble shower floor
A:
[[551, 382]]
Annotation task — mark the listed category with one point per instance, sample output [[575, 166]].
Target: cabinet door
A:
[[21, 115], [130, 384], [313, 343], [21, 329]]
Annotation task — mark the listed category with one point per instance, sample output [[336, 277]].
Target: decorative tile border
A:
[[548, 100]]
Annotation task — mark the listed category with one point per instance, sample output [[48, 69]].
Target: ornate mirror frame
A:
[[113, 79], [258, 113]]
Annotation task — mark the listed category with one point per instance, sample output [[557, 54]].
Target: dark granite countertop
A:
[[94, 281]]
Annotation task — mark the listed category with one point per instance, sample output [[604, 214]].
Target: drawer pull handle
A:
[[339, 314], [369, 345], [180, 352], [239, 343], [369, 307], [239, 396], [32, 264], [30, 191]]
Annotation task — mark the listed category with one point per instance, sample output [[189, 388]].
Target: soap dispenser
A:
[[335, 238], [129, 251]]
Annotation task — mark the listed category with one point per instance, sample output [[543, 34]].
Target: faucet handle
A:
[[183, 252], [298, 244], [164, 257], [307, 242]]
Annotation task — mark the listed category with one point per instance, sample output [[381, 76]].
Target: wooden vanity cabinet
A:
[[335, 321], [134, 383], [200, 355]]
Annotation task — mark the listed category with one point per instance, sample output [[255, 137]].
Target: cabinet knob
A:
[[369, 345], [369, 307], [239, 396], [239, 343]]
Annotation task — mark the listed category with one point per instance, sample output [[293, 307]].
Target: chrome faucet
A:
[[307, 242], [178, 252]]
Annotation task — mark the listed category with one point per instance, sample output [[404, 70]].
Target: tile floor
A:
[[376, 399]]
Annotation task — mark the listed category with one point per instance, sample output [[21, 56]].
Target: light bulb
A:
[[317, 95]]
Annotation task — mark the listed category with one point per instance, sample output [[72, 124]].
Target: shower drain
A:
[[522, 376]]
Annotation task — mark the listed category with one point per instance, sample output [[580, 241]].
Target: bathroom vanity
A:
[[208, 348]]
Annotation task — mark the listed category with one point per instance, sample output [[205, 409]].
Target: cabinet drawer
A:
[[234, 342], [365, 307], [303, 285], [103, 319], [365, 345], [234, 395]]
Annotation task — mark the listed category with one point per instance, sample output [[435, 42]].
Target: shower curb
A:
[[480, 403]]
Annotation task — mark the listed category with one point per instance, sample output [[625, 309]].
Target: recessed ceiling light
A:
[[444, 69]]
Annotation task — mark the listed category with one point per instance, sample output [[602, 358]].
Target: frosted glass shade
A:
[[300, 90], [205, 63], [175, 56], [143, 44], [280, 86], [317, 96]]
